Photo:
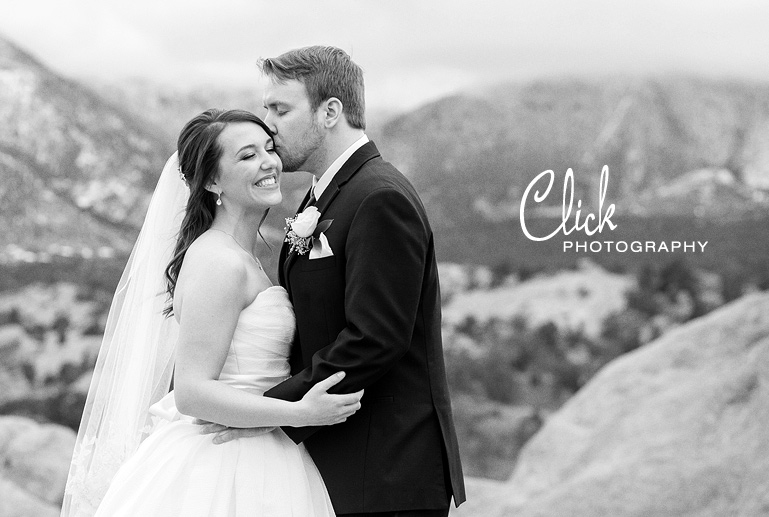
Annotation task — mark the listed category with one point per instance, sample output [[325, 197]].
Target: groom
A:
[[366, 298]]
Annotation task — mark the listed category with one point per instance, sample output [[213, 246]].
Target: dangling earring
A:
[[219, 200]]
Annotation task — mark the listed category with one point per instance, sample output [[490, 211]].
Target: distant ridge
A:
[[480, 150], [79, 164], [76, 170]]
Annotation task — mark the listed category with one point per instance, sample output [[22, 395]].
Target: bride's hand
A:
[[318, 407]]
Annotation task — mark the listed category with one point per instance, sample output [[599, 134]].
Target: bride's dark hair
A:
[[199, 153]]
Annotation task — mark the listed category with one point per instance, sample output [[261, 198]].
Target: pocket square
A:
[[320, 247]]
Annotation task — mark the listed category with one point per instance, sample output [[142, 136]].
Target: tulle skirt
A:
[[179, 472]]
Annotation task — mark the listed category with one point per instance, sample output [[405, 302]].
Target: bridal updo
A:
[[199, 154]]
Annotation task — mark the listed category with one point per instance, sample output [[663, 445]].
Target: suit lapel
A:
[[281, 263], [348, 170], [328, 196], [353, 165]]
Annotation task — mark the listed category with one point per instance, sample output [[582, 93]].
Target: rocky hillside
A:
[[480, 150], [688, 159], [34, 462], [76, 170], [79, 167], [168, 108], [677, 427]]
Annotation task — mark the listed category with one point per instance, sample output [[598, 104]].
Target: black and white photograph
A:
[[392, 259]]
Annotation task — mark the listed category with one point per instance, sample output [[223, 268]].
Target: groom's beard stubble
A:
[[304, 152]]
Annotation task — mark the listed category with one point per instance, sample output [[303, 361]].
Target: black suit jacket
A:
[[373, 311]]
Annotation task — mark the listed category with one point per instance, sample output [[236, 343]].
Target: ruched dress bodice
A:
[[258, 356]]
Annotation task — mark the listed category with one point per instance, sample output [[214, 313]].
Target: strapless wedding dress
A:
[[179, 472]]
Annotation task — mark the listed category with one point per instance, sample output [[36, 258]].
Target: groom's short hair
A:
[[325, 72]]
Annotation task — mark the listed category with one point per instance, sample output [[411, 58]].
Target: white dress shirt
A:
[[319, 185], [320, 245]]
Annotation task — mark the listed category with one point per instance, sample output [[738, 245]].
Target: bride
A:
[[200, 307]]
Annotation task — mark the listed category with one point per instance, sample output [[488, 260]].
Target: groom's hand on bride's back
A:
[[223, 434]]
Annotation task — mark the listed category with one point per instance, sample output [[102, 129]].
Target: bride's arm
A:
[[212, 290]]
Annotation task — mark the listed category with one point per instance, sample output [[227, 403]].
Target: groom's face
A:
[[298, 132]]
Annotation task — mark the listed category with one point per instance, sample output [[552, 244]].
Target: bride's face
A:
[[249, 169]]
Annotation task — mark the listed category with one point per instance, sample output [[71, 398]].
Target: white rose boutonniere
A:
[[304, 224], [301, 228]]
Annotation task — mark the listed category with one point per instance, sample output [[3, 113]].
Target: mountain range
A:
[[80, 161], [79, 164], [480, 150], [77, 171]]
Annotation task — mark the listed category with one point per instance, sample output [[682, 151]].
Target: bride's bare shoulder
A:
[[210, 264]]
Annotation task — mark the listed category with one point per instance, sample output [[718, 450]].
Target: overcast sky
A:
[[410, 51]]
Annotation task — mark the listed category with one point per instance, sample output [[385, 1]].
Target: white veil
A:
[[135, 363]]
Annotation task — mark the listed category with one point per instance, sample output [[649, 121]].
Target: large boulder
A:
[[678, 427], [34, 462], [17, 502]]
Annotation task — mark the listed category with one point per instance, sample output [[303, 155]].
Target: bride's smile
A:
[[269, 181]]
